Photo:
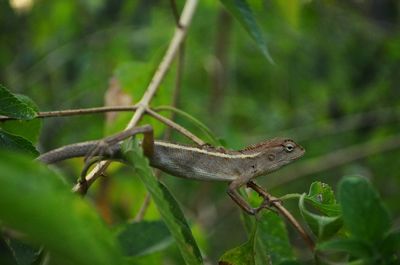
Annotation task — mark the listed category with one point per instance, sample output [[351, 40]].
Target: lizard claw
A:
[[102, 149], [267, 204]]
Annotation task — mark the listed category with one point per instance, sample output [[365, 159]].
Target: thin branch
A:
[[179, 70], [219, 64], [175, 126], [175, 99], [179, 36], [177, 39], [142, 211], [282, 210], [75, 112]]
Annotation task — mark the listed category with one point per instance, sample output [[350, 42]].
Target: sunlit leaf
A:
[[36, 202]]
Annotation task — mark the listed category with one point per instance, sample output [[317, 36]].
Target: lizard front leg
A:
[[235, 196], [268, 199]]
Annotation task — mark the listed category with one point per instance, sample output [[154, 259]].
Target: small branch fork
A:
[[142, 106], [277, 204]]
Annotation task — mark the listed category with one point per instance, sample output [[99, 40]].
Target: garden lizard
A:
[[195, 162]]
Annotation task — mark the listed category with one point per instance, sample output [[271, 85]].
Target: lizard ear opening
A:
[[271, 157]]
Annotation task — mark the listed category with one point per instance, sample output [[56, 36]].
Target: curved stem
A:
[[290, 196]]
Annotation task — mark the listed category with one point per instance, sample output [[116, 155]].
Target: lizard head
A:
[[279, 152]]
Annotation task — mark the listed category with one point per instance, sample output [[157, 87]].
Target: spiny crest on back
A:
[[267, 143]]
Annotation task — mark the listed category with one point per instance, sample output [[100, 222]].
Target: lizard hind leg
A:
[[109, 147]]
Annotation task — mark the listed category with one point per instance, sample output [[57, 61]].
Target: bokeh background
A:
[[333, 87]]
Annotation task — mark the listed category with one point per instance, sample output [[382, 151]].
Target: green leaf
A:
[[143, 238], [166, 204], [272, 241], [6, 255], [36, 202], [322, 199], [28, 129], [16, 143], [354, 247], [322, 226], [391, 244], [242, 12], [364, 214], [195, 121], [241, 255], [272, 235], [13, 107], [24, 254]]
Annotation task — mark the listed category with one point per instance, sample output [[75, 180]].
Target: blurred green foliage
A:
[[334, 84]]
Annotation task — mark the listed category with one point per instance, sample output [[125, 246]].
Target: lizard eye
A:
[[289, 148]]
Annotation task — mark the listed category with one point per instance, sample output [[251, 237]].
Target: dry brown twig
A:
[[175, 98], [74, 112], [177, 39]]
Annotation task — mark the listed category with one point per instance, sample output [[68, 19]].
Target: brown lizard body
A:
[[201, 163]]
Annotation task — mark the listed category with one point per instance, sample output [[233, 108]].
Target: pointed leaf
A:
[[13, 107], [28, 129], [166, 204], [242, 12], [16, 143]]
